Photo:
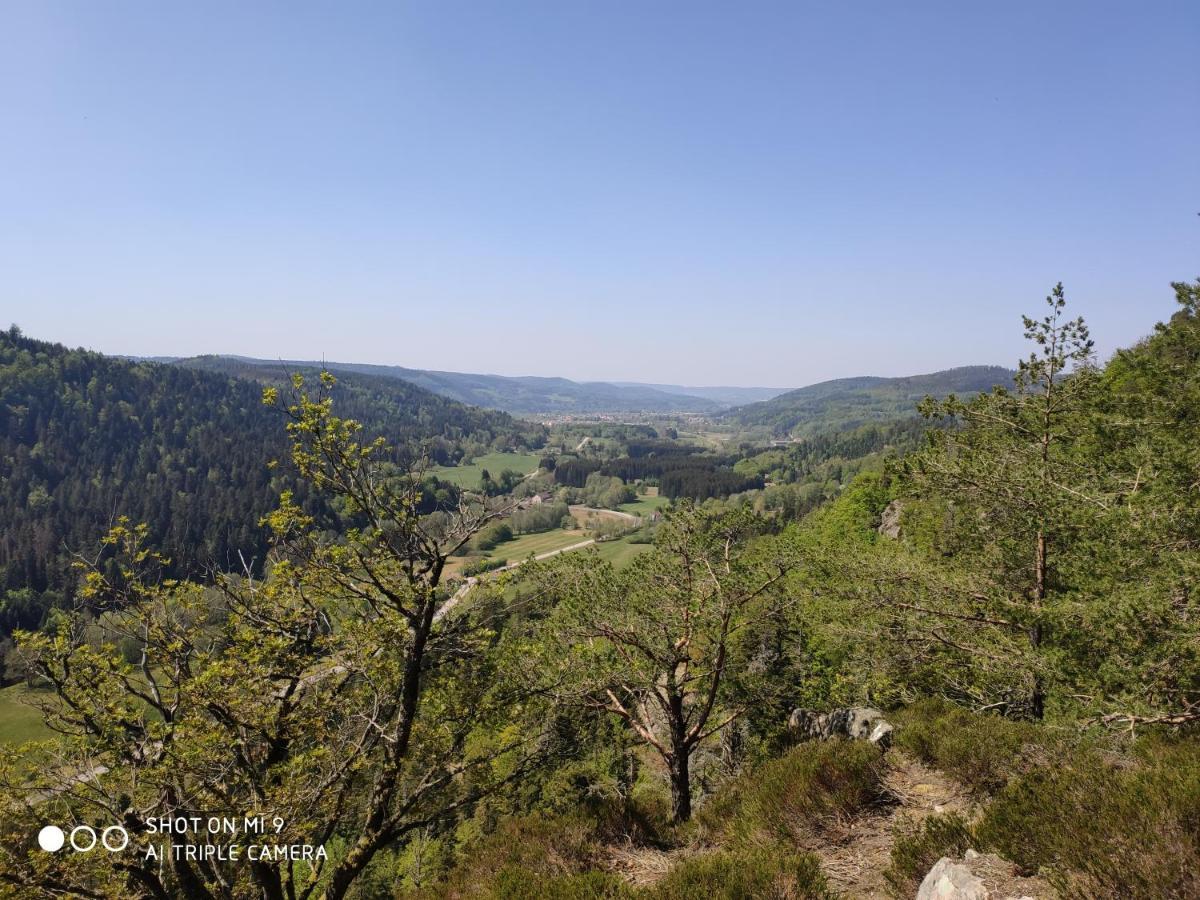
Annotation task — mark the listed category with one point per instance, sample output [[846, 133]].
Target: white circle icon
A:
[[117, 830], [83, 829], [51, 838]]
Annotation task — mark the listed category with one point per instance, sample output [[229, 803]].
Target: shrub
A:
[[919, 845], [752, 875], [1105, 831], [545, 847], [644, 535], [496, 533], [798, 795], [483, 565], [521, 884], [982, 751], [539, 517], [603, 528]]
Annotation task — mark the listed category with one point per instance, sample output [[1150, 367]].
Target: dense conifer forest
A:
[[85, 438]]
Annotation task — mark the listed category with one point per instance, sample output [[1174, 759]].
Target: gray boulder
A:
[[862, 723], [889, 522], [950, 880]]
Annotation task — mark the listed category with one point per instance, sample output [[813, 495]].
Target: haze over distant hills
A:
[[828, 405], [849, 402], [725, 395], [526, 394]]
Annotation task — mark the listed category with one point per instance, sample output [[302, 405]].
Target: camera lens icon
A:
[[83, 838]]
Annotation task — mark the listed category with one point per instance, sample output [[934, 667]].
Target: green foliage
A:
[[1046, 566], [508, 480], [539, 517], [1049, 544], [653, 644], [521, 884], [493, 535], [1098, 824], [1106, 831], [982, 752], [813, 788], [855, 514], [298, 697], [777, 874], [184, 450], [483, 565], [520, 852], [605, 492], [919, 845]]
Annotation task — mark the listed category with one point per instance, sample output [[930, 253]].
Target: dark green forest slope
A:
[[85, 438], [851, 402]]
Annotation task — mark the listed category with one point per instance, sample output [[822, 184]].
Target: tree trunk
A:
[[681, 787], [1037, 699], [373, 835]]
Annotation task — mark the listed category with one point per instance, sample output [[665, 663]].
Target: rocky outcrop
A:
[[950, 880], [889, 522], [864, 723], [979, 876]]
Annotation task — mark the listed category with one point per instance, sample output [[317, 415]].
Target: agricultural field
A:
[[469, 476], [621, 553], [521, 546], [19, 721], [543, 542], [647, 503]]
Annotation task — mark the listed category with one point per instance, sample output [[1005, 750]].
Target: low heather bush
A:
[[983, 752], [746, 875], [1100, 830], [792, 799], [921, 844]]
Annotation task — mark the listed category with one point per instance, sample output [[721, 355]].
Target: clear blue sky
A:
[[738, 193]]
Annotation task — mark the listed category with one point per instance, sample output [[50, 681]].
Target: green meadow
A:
[[469, 476], [20, 722]]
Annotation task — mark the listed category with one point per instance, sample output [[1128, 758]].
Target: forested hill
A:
[[523, 395], [850, 402], [398, 409], [85, 438]]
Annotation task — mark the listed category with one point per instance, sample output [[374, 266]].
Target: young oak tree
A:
[[655, 644], [335, 695]]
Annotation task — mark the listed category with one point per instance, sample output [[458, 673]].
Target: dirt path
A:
[[855, 856], [855, 866], [854, 863]]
